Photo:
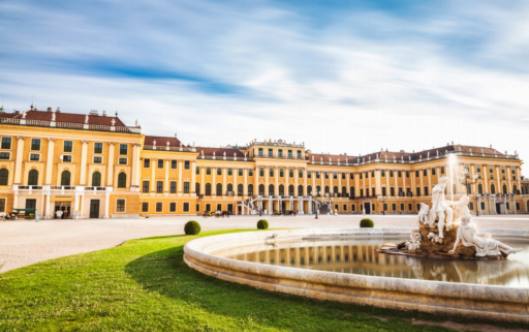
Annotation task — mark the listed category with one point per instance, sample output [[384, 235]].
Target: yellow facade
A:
[[95, 166]]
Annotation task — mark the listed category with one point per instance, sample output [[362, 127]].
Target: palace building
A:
[[94, 166]]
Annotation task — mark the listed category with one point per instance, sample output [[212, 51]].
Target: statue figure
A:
[[485, 245], [441, 207], [414, 243], [424, 214]]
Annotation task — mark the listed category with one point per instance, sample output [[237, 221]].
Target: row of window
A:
[[33, 178], [290, 153], [159, 207], [160, 163]]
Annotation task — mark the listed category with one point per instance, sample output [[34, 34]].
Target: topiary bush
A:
[[367, 223], [192, 228], [262, 224]]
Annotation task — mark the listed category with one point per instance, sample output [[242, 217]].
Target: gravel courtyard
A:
[[26, 242]]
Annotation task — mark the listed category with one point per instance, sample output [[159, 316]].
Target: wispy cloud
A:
[[343, 78]]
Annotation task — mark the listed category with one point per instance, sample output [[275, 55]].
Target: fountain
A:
[[446, 229]]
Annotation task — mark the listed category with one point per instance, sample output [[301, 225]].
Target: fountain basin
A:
[[213, 256]]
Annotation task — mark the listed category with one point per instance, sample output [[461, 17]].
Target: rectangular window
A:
[[260, 153], [219, 171], [280, 153], [68, 146], [250, 172], [172, 187], [98, 159], [239, 172], [187, 164], [186, 187], [208, 171], [160, 163], [145, 186], [270, 153], [120, 205], [173, 164], [172, 207], [4, 155], [34, 157], [290, 153], [123, 149], [230, 172], [299, 154], [6, 142], [35, 144], [123, 161], [159, 207], [146, 163], [261, 171], [159, 186], [98, 147], [2, 205], [186, 207], [418, 191], [145, 207], [425, 191], [67, 158]]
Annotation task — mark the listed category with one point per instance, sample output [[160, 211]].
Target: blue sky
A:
[[342, 76]]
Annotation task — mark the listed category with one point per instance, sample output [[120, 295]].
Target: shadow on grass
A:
[[166, 273]]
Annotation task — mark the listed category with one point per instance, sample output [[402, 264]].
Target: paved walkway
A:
[[26, 242]]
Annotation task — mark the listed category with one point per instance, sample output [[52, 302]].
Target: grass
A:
[[144, 285]]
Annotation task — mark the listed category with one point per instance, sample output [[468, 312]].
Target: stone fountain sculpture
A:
[[446, 230]]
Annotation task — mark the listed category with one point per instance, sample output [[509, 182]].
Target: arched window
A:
[[291, 191], [219, 189], [352, 192], [344, 191], [261, 189], [122, 180], [208, 189], [505, 189], [318, 190], [230, 188], [327, 189], [309, 190], [300, 190], [335, 190], [197, 188], [281, 190], [4, 176], [96, 179], [271, 190], [65, 178], [33, 178], [240, 189], [480, 189], [515, 190], [250, 189], [492, 189]]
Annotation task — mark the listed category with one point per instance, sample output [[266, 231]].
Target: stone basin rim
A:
[[484, 301]]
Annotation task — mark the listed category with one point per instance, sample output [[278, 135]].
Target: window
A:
[[426, 191], [187, 164], [219, 189], [270, 153], [123, 149], [146, 163], [425, 172], [299, 154], [280, 153], [145, 186], [35, 144], [186, 187], [98, 147], [173, 164], [433, 171], [123, 161], [6, 143], [208, 171], [65, 178], [4, 155], [230, 172], [120, 205], [33, 178], [239, 172], [250, 189], [96, 179], [67, 146], [98, 160], [159, 186], [34, 157], [240, 189], [219, 171], [2, 205], [159, 206], [67, 158], [208, 189], [261, 171], [250, 172], [172, 207], [271, 172], [145, 207], [291, 173], [289, 153], [260, 152], [281, 172], [160, 163], [4, 176], [172, 187], [186, 207], [122, 180]]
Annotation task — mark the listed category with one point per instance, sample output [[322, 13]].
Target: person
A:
[[485, 246], [58, 214]]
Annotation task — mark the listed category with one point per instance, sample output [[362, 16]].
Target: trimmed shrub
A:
[[367, 223], [192, 228], [262, 224]]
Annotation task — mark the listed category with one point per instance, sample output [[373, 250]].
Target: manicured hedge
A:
[[192, 227], [262, 224], [367, 223]]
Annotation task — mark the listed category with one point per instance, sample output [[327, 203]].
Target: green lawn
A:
[[144, 285]]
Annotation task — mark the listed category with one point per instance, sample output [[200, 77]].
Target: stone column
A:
[[153, 176], [305, 182], [276, 177], [245, 183], [166, 176], [193, 177], [49, 162], [107, 202], [84, 158], [110, 165], [135, 184], [18, 161], [267, 181], [348, 183], [224, 181], [202, 181], [235, 181], [180, 183], [214, 182]]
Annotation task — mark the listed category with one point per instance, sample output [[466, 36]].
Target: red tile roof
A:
[[162, 141]]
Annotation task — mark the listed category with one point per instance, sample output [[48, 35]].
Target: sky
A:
[[341, 76]]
